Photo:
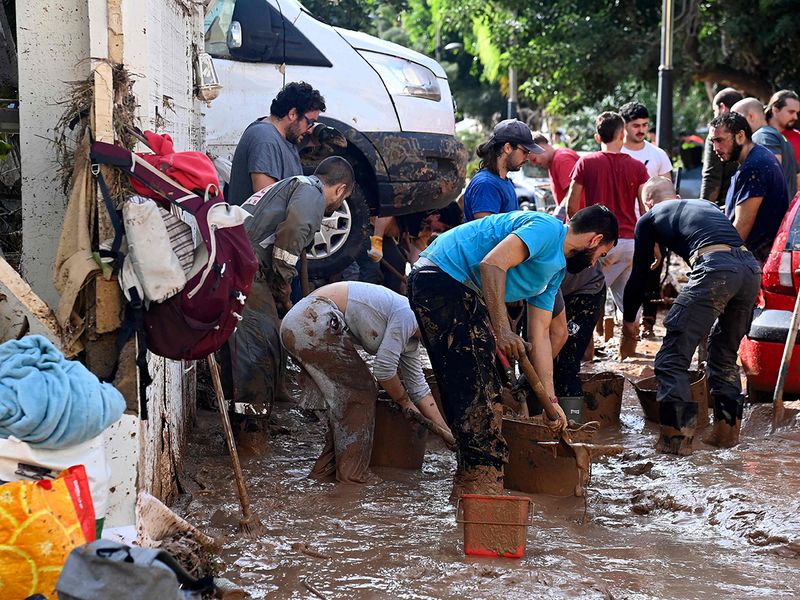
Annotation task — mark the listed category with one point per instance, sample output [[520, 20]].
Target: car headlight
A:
[[403, 77]]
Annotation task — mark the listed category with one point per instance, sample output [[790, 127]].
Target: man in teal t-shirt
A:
[[458, 291]]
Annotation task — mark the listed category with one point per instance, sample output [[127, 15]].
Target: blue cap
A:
[[515, 132]]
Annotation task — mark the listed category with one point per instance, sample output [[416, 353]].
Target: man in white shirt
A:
[[637, 120]]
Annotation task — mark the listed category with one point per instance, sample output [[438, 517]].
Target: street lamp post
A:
[[512, 93], [664, 129]]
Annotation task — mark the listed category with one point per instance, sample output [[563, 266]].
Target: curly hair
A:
[[733, 122], [298, 95]]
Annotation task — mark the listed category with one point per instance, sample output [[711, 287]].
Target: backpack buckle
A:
[[95, 169]]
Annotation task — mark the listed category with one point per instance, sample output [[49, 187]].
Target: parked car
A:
[[392, 105], [533, 189], [762, 348]]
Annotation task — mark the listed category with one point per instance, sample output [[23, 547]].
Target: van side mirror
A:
[[235, 35]]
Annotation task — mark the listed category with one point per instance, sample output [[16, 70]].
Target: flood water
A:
[[718, 524]]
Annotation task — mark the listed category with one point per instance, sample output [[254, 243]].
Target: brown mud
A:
[[721, 523]]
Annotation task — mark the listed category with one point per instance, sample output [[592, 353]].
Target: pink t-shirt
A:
[[613, 180]]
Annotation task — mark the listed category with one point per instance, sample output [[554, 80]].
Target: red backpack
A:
[[197, 321]]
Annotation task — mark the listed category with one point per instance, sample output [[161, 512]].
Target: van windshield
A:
[[216, 25]]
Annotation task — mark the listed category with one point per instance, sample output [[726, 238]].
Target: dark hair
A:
[[779, 99], [733, 122], [298, 95], [608, 125], [451, 214], [633, 110], [489, 152], [728, 96], [540, 138], [596, 219], [335, 170]]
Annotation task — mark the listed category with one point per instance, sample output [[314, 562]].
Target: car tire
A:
[[340, 238]]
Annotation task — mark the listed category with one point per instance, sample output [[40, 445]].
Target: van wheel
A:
[[340, 238]]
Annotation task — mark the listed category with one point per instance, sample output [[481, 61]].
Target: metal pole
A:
[[664, 126], [512, 93]]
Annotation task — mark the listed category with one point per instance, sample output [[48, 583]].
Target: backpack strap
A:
[[204, 584], [116, 222]]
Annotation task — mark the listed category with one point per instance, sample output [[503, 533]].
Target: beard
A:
[[511, 166], [736, 152], [580, 260], [293, 134]]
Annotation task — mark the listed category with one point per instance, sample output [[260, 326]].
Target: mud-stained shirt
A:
[[459, 252], [384, 325]]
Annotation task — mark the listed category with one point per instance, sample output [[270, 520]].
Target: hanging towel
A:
[[51, 402]]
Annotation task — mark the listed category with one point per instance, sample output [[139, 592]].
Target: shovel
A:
[[791, 337], [536, 384], [249, 524]]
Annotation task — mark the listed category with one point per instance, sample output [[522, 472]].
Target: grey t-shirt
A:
[[261, 149], [384, 324], [777, 144], [588, 281]]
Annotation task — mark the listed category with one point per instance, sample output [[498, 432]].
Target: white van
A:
[[393, 106]]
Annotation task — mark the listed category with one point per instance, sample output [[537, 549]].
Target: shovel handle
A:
[[777, 398]]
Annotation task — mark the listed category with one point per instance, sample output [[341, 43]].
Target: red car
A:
[[762, 348]]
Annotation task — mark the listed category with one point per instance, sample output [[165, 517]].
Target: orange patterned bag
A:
[[40, 523]]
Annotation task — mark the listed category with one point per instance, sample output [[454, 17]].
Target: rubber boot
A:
[[678, 421], [727, 422]]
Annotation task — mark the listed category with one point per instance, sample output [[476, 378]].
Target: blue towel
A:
[[51, 402]]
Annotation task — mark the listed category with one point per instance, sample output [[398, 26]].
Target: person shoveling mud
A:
[[460, 286], [321, 331], [722, 287]]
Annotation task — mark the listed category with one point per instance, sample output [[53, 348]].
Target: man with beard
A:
[[459, 289], [267, 151], [637, 120], [490, 192], [782, 112], [722, 289], [757, 198]]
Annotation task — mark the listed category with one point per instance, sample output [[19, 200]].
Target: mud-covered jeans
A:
[[252, 357], [722, 287], [455, 329], [583, 310], [315, 334]]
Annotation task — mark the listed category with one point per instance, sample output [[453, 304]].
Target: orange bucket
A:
[[494, 525]]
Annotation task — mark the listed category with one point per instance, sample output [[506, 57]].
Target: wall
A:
[[55, 41]]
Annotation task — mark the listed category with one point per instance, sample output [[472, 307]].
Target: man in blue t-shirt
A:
[[757, 198], [490, 192], [459, 289]]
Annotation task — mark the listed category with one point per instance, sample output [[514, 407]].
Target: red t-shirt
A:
[[793, 137], [560, 170], [612, 179]]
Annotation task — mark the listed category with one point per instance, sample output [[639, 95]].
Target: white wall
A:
[[53, 44], [55, 41]]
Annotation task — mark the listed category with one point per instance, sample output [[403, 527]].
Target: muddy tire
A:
[[340, 238]]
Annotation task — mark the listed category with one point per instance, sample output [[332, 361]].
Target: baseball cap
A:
[[515, 132]]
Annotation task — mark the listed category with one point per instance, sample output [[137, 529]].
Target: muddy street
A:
[[719, 524]]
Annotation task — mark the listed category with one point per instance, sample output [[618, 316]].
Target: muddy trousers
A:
[[455, 329], [722, 287], [314, 333], [253, 354], [583, 310]]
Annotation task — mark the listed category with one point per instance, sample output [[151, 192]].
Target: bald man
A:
[[770, 138], [722, 288]]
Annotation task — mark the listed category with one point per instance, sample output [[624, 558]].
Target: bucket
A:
[[603, 393], [698, 384], [397, 442], [494, 525], [572, 407]]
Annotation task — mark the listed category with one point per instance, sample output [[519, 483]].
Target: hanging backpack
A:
[[199, 319]]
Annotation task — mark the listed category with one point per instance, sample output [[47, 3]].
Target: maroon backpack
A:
[[198, 320]]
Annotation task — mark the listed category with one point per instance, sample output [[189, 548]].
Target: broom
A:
[[249, 524]]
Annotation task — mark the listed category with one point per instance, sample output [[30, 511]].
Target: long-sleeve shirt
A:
[[286, 215], [384, 324], [683, 226]]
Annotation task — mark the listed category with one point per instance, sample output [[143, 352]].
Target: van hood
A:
[[363, 41]]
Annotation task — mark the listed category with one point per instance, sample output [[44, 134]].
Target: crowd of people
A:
[[506, 284]]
